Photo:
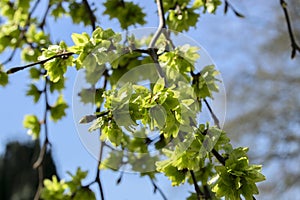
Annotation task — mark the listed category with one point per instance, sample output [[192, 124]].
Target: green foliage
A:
[[31, 122], [56, 67], [127, 13], [63, 190], [3, 77], [34, 92], [128, 113], [204, 83], [57, 111], [237, 177]]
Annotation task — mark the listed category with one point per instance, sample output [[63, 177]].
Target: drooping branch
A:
[[295, 46], [16, 69]]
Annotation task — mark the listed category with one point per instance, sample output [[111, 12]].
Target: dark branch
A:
[[156, 188], [90, 13], [39, 162], [42, 24], [16, 69], [295, 46], [197, 189], [215, 118], [229, 5], [97, 179]]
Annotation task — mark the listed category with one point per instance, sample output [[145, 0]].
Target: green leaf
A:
[[84, 193], [35, 92], [35, 73], [32, 123], [3, 78], [176, 176], [127, 13], [54, 189], [58, 110], [56, 67], [57, 86], [158, 115], [159, 85]]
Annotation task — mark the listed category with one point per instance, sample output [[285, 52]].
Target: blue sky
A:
[[222, 36]]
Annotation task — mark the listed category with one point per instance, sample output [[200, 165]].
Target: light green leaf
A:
[[32, 123], [58, 110]]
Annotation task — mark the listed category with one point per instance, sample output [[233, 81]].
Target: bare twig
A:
[[215, 118], [91, 13], [16, 69], [229, 5], [294, 44], [42, 24], [97, 179], [156, 188]]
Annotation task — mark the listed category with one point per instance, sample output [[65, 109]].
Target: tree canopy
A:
[[144, 93]]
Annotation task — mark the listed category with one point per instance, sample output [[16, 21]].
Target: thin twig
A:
[[215, 118], [91, 13], [294, 44], [97, 179], [197, 189], [229, 5], [42, 24], [32, 11], [39, 162], [16, 69], [158, 188]]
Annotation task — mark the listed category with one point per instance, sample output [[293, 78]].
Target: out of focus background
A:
[[263, 103]]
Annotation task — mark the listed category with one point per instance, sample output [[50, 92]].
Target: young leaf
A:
[[32, 123], [35, 92], [57, 111]]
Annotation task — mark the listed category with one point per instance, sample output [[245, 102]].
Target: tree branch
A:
[[162, 23], [294, 44], [38, 164], [91, 13], [197, 189], [42, 24], [158, 188], [215, 118], [97, 179], [16, 69], [229, 5]]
